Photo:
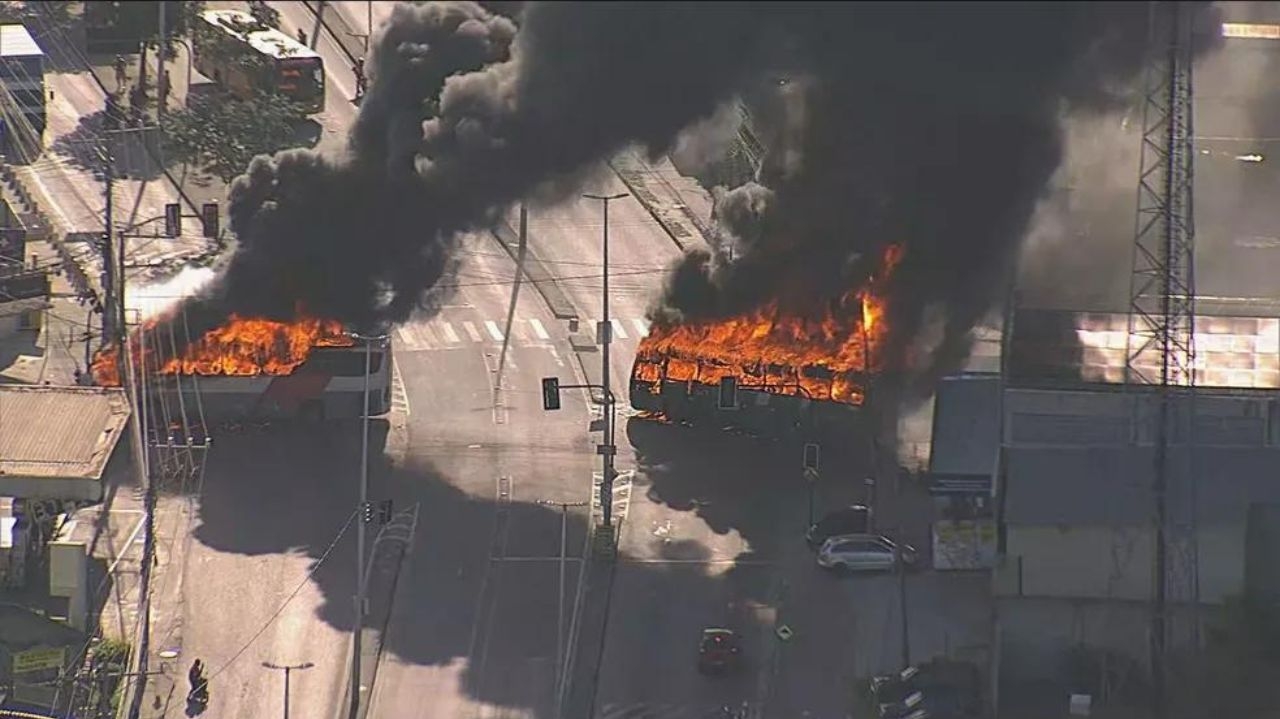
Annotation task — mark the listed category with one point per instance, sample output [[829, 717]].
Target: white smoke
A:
[[153, 300]]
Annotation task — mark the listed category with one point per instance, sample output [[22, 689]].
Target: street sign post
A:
[[811, 456]]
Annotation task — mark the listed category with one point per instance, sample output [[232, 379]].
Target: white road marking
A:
[[399, 395], [618, 331], [538, 329], [449, 335], [642, 326], [428, 335], [471, 331], [494, 332], [406, 337]]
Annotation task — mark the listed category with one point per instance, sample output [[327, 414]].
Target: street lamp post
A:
[[607, 449], [287, 669], [360, 599], [902, 607], [560, 648]]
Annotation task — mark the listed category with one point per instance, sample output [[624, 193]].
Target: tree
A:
[[223, 134], [129, 26], [267, 16], [57, 12]]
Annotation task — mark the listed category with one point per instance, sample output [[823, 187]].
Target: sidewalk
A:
[[677, 202]]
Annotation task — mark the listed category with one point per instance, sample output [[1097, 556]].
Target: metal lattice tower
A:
[[1161, 344]]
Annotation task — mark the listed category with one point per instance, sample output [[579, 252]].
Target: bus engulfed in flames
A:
[[825, 358], [243, 347]]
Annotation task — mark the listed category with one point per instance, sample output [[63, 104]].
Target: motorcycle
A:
[[198, 698]]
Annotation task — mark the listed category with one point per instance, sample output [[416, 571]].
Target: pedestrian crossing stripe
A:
[[399, 396], [439, 333]]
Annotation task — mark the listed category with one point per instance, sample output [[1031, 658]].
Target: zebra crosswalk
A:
[[452, 332], [399, 396]]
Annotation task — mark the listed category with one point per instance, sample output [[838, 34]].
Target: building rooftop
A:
[[15, 41], [59, 432], [1111, 486]]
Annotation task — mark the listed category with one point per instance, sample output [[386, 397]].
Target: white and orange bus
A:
[[246, 58]]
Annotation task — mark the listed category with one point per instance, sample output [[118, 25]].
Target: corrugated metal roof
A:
[[15, 41], [1110, 486], [59, 432]]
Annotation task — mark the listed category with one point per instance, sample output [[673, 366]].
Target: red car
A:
[[719, 652]]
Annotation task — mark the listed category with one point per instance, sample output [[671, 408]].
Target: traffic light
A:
[[550, 393], [209, 219], [367, 510], [811, 456], [385, 508], [728, 393], [172, 219]]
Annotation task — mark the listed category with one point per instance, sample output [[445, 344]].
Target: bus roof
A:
[[269, 42], [15, 41]]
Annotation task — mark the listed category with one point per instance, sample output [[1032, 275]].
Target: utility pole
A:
[[1161, 338], [109, 313], [902, 607], [161, 91], [368, 26], [287, 669], [604, 331], [561, 649], [360, 599]]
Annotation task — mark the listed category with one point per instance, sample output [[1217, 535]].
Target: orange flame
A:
[[241, 347], [824, 357]]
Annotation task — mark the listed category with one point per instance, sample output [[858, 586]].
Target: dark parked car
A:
[[848, 520], [940, 689], [719, 651]]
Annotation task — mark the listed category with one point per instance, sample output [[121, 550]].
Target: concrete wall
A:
[[1037, 635], [1101, 562]]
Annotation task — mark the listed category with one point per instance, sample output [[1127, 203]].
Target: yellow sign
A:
[[34, 660], [1252, 31]]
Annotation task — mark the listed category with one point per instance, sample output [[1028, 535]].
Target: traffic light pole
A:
[[608, 448], [360, 599]]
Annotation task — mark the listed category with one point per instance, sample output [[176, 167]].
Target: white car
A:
[[864, 553]]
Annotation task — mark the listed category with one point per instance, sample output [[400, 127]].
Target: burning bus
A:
[[791, 373], [256, 369]]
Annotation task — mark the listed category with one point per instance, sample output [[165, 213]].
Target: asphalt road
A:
[[711, 536]]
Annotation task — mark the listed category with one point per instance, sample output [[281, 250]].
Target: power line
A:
[[310, 573]]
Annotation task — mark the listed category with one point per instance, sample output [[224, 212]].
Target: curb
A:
[[375, 658], [536, 272], [679, 224], [333, 19]]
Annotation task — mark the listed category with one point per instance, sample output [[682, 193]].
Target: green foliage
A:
[[266, 15], [137, 22], [113, 653], [222, 135]]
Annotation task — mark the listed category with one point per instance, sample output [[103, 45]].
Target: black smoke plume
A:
[[933, 125]]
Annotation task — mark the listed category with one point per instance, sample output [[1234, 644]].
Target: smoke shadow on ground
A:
[[741, 485], [290, 488]]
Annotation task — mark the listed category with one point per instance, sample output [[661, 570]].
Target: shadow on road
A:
[[131, 148], [293, 488]]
